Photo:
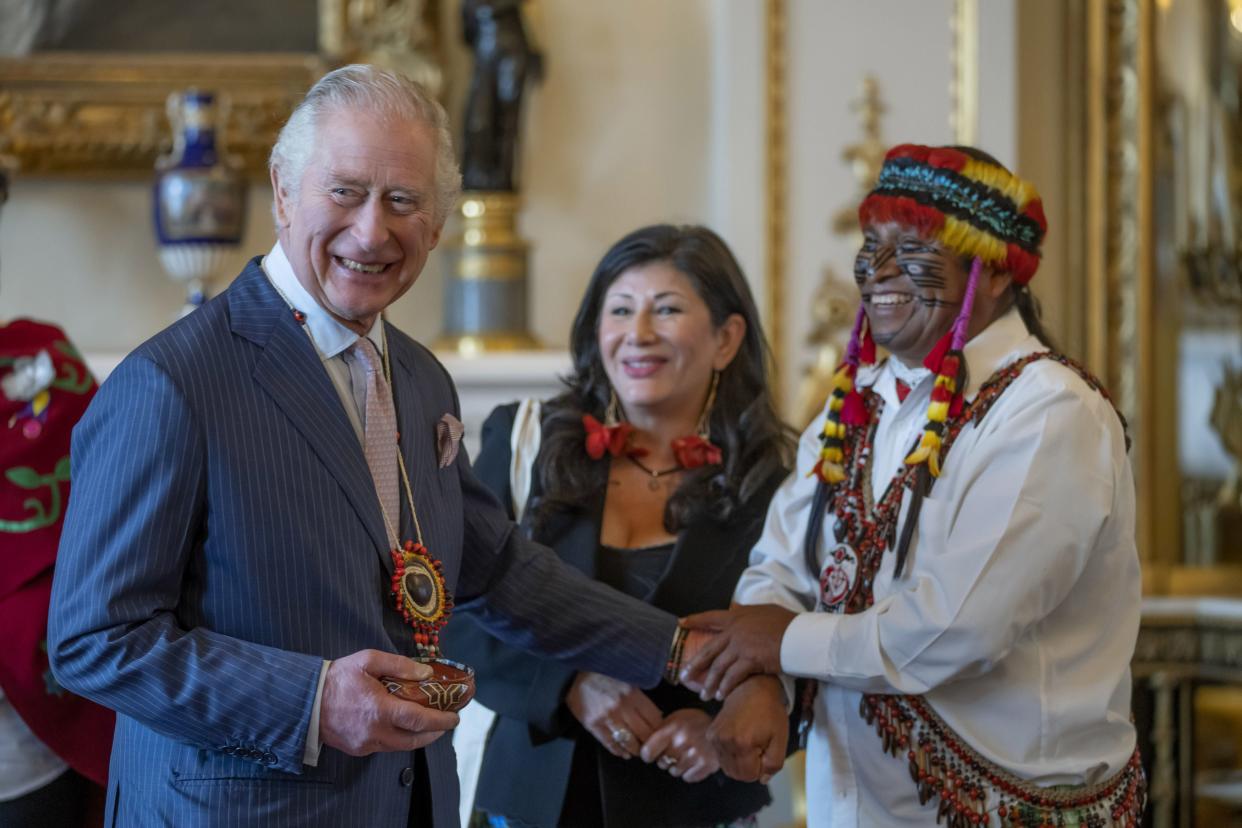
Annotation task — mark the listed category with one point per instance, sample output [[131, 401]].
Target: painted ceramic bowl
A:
[[450, 687]]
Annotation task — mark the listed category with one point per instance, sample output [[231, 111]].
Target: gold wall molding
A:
[[776, 171], [964, 85], [103, 114]]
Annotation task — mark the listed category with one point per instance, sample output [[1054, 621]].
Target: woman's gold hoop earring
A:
[[612, 414]]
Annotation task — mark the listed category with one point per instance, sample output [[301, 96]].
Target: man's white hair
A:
[[389, 94]]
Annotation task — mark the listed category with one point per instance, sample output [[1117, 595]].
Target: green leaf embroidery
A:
[[72, 379], [25, 477], [28, 478], [68, 350]]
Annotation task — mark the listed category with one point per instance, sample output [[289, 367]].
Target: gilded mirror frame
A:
[[1125, 339], [103, 114], [1087, 138]]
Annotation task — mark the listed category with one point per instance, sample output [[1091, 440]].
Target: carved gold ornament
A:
[[93, 114]]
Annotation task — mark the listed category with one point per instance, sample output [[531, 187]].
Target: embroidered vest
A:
[[942, 765]]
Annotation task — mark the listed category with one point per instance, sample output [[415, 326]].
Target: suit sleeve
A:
[[511, 682], [526, 596], [132, 529]]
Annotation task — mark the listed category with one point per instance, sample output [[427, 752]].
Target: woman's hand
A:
[[680, 746], [618, 715]]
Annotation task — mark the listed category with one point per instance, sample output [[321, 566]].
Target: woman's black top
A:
[[635, 572]]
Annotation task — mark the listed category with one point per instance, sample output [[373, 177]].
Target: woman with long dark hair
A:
[[653, 472]]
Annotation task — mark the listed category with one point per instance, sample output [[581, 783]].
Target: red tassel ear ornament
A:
[[845, 405]]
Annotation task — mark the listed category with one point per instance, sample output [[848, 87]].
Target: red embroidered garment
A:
[[46, 388]]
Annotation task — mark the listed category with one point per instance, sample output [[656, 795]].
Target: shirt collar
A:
[[329, 336], [1004, 341]]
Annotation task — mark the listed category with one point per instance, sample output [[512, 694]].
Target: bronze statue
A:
[[503, 57]]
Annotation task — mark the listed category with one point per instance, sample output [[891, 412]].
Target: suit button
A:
[[407, 777]]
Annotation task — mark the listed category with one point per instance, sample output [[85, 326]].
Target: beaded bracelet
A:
[[675, 651]]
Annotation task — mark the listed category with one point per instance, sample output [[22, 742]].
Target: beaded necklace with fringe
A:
[[970, 788]]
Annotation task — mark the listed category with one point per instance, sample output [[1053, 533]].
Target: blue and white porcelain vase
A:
[[200, 197]]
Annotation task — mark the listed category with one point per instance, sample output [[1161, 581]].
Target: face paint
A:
[[911, 288]]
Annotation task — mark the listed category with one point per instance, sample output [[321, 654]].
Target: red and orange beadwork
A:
[[420, 595]]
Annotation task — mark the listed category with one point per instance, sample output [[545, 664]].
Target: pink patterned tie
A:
[[380, 435]]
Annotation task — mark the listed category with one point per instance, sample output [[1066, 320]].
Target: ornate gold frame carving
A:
[[1122, 333], [103, 114]]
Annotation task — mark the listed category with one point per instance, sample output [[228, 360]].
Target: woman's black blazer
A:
[[526, 766]]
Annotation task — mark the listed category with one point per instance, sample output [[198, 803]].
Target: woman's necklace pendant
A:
[[420, 595], [653, 483]]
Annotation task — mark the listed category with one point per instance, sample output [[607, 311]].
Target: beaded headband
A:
[[972, 207]]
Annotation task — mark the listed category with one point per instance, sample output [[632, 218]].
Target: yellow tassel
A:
[[946, 381], [841, 380], [829, 471], [938, 412], [835, 403], [928, 450]]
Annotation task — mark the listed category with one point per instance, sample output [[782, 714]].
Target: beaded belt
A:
[[944, 767]]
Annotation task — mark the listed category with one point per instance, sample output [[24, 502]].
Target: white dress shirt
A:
[[332, 341], [1017, 614]]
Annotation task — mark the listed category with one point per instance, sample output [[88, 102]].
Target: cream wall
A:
[[649, 110], [618, 135], [907, 46]]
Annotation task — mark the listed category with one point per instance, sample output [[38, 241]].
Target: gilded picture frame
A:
[[102, 114]]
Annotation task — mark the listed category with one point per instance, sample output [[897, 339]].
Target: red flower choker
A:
[[613, 436]]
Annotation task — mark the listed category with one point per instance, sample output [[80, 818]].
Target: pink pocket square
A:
[[448, 439]]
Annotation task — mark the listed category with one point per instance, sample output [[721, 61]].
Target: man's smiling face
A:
[[911, 288], [362, 221]]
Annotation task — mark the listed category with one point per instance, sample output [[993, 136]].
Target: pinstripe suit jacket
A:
[[224, 537]]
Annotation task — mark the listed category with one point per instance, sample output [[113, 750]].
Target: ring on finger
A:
[[666, 762], [623, 737]]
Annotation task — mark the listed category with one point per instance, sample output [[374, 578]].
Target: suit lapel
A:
[[290, 371], [575, 536]]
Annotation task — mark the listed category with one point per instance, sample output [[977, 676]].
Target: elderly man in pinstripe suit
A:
[[225, 571]]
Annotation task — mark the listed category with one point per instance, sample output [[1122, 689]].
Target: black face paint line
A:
[[936, 303], [924, 270]]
